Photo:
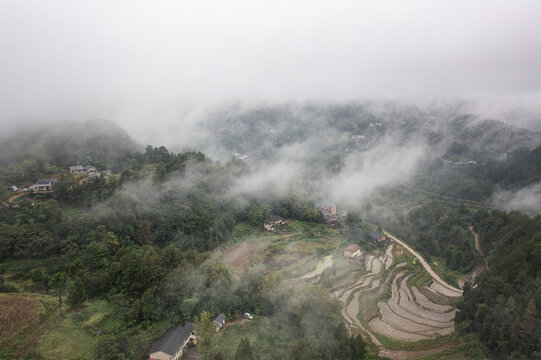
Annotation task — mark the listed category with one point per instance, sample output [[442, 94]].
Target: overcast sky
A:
[[136, 60]]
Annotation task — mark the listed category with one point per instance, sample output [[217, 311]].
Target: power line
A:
[[64, 93], [61, 95]]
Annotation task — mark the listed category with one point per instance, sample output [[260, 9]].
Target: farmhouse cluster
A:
[[45, 185], [90, 171]]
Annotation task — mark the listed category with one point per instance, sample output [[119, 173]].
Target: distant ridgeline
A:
[[44, 147]]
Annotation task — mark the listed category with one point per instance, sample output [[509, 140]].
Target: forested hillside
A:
[[141, 245], [50, 146], [502, 306]]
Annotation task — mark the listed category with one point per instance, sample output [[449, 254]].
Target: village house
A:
[[353, 251], [328, 209], [94, 176], [329, 213], [76, 169], [173, 343], [219, 321], [43, 185], [90, 169], [271, 223]]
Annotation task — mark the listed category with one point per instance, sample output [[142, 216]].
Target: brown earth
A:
[[236, 256], [415, 354], [20, 325]]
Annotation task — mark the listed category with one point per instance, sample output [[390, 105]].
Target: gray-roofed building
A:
[[44, 185], [271, 222], [89, 169], [76, 169], [95, 175], [219, 321], [172, 344]]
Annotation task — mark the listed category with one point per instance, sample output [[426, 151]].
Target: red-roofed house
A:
[[353, 251]]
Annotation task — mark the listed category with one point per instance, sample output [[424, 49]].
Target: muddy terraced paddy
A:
[[411, 314]]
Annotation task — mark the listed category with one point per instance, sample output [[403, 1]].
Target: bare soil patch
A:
[[237, 255], [20, 326]]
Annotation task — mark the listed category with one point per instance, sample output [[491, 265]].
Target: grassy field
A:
[[71, 334], [15, 272], [294, 249]]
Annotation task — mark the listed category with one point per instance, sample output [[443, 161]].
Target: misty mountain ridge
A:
[[67, 143]]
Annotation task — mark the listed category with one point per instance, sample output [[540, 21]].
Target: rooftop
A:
[[220, 318], [273, 219], [94, 175], [47, 181], [353, 247], [172, 340]]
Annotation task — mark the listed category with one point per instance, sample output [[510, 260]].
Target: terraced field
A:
[[384, 306]]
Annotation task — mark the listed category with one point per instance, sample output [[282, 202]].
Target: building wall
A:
[[160, 355]]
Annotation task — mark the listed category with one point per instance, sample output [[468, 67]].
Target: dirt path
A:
[[424, 263], [321, 266], [478, 247], [14, 197]]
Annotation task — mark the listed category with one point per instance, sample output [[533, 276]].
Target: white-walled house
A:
[[43, 185]]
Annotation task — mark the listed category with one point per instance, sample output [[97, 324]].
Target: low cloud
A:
[[388, 164], [525, 200]]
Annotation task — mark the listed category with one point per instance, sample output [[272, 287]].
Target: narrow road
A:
[[424, 263]]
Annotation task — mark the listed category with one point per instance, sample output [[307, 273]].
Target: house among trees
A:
[[329, 213], [328, 209], [271, 223], [76, 169], [90, 169], [43, 185], [173, 343], [353, 251], [219, 321], [94, 176], [377, 237]]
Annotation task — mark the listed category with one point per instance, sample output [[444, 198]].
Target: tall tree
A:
[[206, 336], [58, 281], [76, 292]]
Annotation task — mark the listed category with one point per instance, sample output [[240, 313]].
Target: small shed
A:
[[270, 223], [219, 321]]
